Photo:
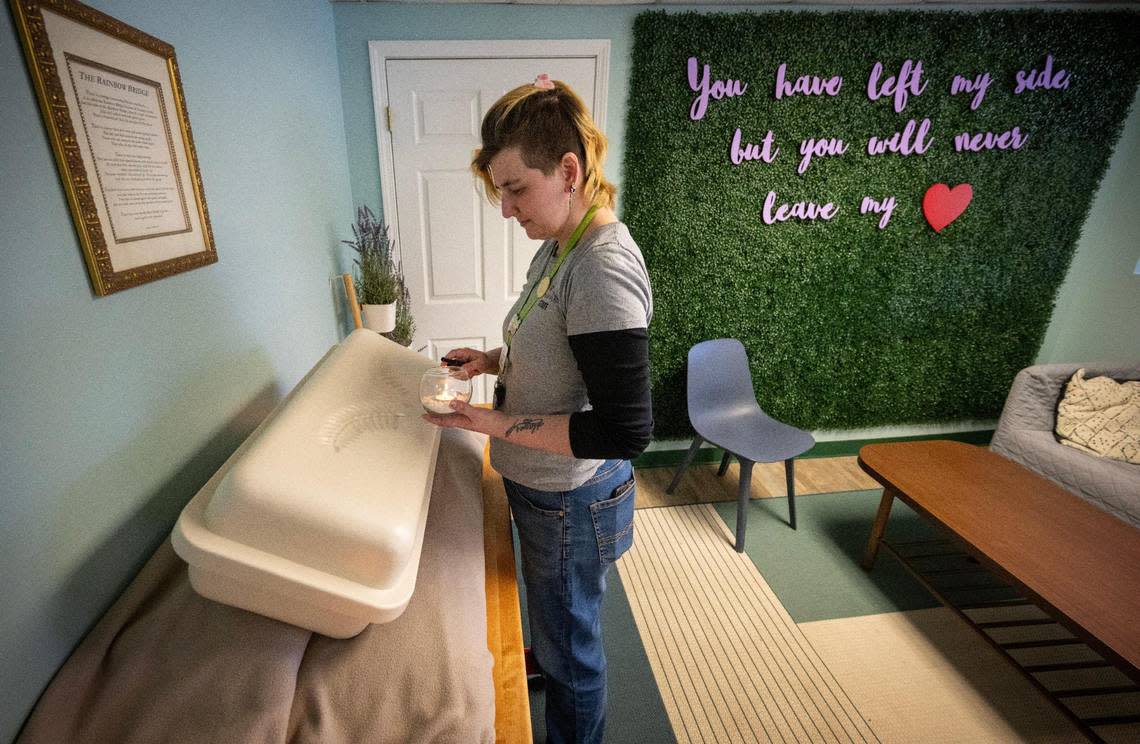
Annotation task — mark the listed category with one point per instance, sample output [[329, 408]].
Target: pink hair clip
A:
[[543, 81]]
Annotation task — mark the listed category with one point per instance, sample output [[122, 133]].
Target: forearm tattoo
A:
[[526, 424]]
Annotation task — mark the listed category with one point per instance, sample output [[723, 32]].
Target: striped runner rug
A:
[[730, 663]]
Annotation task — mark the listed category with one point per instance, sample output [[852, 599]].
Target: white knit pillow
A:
[[1101, 416]]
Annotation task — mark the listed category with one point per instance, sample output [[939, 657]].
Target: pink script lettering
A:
[[801, 210], [1043, 78], [1009, 140], [819, 148], [885, 207], [808, 85], [748, 151], [914, 138], [907, 82], [978, 86], [717, 89]]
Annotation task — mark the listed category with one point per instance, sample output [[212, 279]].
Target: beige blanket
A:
[[165, 665], [1101, 416]]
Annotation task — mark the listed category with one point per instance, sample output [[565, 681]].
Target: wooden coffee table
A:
[[1077, 562]]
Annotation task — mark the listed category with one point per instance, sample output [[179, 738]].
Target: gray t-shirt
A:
[[603, 285]]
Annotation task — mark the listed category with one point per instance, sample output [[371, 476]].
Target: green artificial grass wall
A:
[[848, 324]]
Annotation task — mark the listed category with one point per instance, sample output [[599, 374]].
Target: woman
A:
[[572, 403]]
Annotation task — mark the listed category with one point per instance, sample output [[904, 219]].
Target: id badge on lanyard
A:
[[500, 395]]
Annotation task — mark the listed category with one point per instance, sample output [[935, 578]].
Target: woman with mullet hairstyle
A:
[[572, 402]]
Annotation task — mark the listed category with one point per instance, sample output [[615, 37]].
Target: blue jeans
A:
[[569, 539]]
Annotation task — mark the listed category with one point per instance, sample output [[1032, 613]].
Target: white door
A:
[[465, 265]]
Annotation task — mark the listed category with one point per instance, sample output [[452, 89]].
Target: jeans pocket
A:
[[613, 522], [542, 503]]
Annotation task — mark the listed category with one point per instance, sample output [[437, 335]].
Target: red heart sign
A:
[[943, 204]]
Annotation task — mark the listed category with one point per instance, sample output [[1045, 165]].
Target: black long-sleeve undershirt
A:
[[615, 368]]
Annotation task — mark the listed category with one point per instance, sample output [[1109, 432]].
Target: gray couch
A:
[[1025, 435]]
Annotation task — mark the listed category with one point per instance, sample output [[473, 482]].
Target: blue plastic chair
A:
[[723, 411]]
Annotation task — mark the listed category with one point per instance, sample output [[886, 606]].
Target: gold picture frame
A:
[[113, 105]]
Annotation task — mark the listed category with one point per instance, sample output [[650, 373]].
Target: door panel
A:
[[453, 269], [445, 115]]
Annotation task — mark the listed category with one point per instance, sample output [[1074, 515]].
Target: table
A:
[[1078, 563]]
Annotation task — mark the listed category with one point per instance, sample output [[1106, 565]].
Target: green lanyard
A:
[[544, 284]]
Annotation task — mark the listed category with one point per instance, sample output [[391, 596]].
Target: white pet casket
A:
[[318, 518]]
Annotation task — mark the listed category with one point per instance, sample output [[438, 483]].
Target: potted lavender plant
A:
[[379, 277]]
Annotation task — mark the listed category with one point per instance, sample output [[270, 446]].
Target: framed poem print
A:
[[112, 102]]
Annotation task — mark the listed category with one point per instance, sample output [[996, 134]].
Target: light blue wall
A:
[[115, 410], [1096, 311]]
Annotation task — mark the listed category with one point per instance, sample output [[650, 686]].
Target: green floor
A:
[[814, 569]]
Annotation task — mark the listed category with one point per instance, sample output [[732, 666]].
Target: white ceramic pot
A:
[[379, 318]]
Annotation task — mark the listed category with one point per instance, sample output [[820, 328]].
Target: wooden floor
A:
[[701, 485], [504, 613]]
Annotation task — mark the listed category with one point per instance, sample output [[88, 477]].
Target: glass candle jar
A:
[[441, 385]]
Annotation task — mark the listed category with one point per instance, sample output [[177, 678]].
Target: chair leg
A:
[[744, 493], [790, 475], [696, 445], [724, 464]]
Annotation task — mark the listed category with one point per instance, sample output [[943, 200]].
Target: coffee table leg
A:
[[878, 528]]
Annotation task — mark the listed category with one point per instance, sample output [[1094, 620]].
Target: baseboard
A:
[[838, 448]]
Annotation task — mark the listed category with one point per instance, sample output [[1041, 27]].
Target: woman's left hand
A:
[[466, 416]]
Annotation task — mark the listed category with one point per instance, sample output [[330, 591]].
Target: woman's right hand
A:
[[475, 362]]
